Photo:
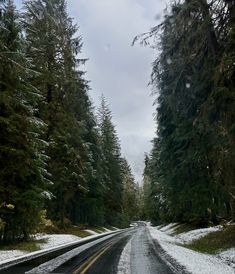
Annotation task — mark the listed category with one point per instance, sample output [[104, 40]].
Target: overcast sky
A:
[[118, 70]]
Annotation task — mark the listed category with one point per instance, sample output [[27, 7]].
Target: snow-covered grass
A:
[[228, 256], [43, 241], [52, 240], [196, 234], [168, 228], [9, 254], [106, 229], [216, 241], [194, 262], [92, 232]]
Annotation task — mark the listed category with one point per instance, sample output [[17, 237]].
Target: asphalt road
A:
[[105, 259], [143, 256]]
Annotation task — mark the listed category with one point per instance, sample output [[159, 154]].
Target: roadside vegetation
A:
[[27, 246], [189, 175], [215, 242], [182, 228], [60, 158]]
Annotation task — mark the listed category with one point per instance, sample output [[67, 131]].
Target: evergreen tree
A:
[[53, 47], [22, 158], [130, 195], [112, 167], [193, 111]]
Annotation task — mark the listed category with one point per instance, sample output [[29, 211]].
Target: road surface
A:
[[130, 252]]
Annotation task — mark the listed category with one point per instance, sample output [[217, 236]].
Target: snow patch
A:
[[55, 239], [54, 263], [194, 262], [228, 257], [169, 227], [188, 237], [124, 265], [92, 232], [106, 229], [9, 254]]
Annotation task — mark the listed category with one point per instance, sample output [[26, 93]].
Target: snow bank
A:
[[194, 262]]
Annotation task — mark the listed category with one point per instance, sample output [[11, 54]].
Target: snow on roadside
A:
[[228, 256], [9, 254], [168, 227], [194, 262], [106, 229], [53, 240], [188, 237], [92, 232], [124, 265]]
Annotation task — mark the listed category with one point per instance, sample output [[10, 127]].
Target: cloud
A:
[[119, 70]]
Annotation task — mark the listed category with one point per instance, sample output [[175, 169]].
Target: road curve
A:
[[143, 257], [130, 252]]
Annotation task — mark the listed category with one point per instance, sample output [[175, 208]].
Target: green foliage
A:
[[22, 157], [215, 242], [54, 159], [130, 207], [113, 184], [191, 167]]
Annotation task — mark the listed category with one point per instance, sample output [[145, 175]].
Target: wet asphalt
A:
[[145, 257]]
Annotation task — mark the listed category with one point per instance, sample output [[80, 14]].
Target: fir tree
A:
[[53, 47], [112, 156], [130, 195], [193, 136], [22, 176]]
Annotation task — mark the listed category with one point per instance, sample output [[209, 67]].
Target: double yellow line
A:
[[84, 267]]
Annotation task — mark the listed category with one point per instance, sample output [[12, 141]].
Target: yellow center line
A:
[[91, 260]]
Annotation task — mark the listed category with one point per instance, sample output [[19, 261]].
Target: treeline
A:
[[55, 153], [190, 174]]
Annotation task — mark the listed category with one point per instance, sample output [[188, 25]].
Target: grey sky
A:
[[118, 70]]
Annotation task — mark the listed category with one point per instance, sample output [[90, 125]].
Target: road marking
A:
[[91, 260]]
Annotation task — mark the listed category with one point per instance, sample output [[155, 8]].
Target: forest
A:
[[60, 159], [189, 175]]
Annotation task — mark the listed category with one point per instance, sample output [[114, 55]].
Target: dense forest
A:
[[60, 160], [189, 175]]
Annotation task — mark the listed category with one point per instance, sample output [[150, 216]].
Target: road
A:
[[130, 252]]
